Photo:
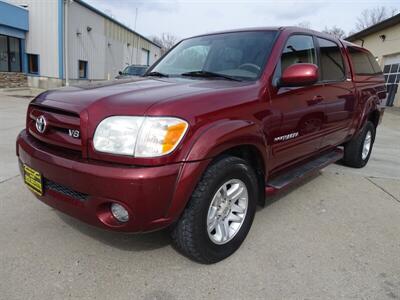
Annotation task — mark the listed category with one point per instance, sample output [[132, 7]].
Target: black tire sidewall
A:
[[244, 173], [368, 127]]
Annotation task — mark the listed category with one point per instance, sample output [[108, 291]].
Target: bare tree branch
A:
[[373, 16], [335, 31], [166, 41]]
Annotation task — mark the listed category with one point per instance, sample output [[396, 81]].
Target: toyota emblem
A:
[[41, 124]]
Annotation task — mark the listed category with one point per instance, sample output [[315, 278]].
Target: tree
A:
[[373, 16], [166, 41], [335, 31]]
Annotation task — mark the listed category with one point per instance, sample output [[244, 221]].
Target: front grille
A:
[[56, 187], [58, 126]]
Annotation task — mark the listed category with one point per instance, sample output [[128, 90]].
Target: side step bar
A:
[[301, 172]]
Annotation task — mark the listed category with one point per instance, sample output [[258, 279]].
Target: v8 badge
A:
[[74, 133]]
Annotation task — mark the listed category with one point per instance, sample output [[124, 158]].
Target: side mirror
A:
[[299, 75], [120, 72]]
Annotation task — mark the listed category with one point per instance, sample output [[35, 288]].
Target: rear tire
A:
[[358, 150], [199, 233]]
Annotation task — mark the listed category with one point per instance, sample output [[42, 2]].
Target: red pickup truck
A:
[[218, 124]]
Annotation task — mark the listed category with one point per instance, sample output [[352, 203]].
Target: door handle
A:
[[315, 100]]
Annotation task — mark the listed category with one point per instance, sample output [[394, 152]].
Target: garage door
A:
[[145, 57], [391, 71]]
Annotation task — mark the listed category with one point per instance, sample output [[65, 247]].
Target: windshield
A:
[[239, 55], [131, 70]]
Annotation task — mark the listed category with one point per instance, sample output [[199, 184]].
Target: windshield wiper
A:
[[208, 74], [157, 74]]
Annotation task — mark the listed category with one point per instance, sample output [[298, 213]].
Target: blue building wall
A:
[[14, 16], [14, 21]]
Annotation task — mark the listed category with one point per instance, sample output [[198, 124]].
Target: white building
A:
[[69, 41]]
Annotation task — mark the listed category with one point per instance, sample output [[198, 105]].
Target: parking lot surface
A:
[[335, 236]]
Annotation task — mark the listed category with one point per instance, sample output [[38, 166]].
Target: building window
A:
[[392, 79], [82, 69], [33, 63], [10, 54], [145, 57], [3, 54]]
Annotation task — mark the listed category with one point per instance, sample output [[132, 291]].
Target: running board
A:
[[301, 172]]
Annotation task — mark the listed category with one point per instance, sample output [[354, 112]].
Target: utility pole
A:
[[136, 16], [134, 28], [66, 61]]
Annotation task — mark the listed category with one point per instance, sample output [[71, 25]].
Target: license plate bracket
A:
[[33, 179]]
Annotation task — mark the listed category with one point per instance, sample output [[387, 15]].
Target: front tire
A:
[[358, 150], [220, 212]]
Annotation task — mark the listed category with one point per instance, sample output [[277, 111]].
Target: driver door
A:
[[301, 108]]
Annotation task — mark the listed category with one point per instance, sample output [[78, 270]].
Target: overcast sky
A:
[[185, 18]]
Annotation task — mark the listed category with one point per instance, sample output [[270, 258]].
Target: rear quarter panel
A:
[[370, 93]]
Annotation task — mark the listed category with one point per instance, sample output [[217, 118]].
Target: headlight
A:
[[139, 136], [117, 135]]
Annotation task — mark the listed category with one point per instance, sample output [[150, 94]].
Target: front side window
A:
[[240, 55], [82, 69], [298, 49], [331, 61]]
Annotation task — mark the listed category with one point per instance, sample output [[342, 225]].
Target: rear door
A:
[[301, 108], [337, 93]]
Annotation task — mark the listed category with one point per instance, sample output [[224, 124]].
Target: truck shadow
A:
[[272, 199], [153, 240], [122, 241]]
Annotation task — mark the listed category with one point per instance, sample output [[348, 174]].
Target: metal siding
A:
[[45, 39], [42, 37], [61, 39], [119, 54], [87, 46]]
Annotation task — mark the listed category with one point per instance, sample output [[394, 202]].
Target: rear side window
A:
[[331, 61], [363, 62], [298, 49]]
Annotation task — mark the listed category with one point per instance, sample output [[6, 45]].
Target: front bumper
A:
[[85, 189]]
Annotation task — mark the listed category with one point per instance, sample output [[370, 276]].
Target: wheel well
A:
[[374, 117], [253, 156]]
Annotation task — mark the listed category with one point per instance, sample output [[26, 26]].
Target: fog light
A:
[[119, 212]]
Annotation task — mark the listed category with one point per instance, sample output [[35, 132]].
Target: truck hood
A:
[[126, 97]]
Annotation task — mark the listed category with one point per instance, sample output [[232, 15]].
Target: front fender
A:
[[211, 142], [224, 135]]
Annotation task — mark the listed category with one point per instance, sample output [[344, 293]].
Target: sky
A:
[[185, 18]]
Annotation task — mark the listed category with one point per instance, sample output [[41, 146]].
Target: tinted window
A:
[[331, 61], [363, 62], [239, 54], [394, 68], [33, 64], [3, 53], [135, 71], [15, 56], [10, 54], [82, 69], [298, 49], [386, 69]]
